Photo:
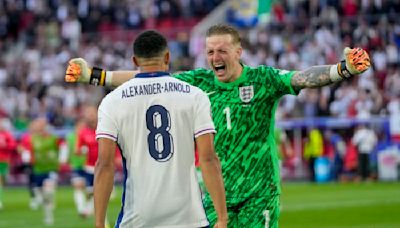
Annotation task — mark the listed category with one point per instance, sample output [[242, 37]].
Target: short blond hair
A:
[[223, 29]]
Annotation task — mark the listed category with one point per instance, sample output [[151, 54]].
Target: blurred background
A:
[[320, 132]]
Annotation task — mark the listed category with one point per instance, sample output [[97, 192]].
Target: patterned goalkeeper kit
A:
[[243, 113]]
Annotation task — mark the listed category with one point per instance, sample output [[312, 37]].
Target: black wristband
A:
[[344, 72], [95, 76]]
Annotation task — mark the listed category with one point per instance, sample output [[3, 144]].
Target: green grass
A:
[[16, 212], [366, 205]]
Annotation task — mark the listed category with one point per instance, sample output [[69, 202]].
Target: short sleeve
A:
[[283, 78], [106, 124], [203, 120], [186, 76], [193, 77]]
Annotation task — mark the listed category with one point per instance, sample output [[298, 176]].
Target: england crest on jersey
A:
[[246, 93]]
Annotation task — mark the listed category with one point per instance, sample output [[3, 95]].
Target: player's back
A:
[[156, 119]]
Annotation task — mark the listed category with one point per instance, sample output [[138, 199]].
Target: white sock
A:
[[90, 206], [48, 213], [80, 200], [38, 198], [48, 206]]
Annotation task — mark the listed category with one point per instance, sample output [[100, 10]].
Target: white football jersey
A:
[[155, 118]]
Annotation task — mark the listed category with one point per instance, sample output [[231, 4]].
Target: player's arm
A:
[[24, 148], [356, 61], [79, 71], [212, 175], [103, 179]]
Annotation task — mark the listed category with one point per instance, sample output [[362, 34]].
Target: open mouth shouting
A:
[[219, 69]]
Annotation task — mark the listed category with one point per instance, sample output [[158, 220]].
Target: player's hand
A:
[[357, 60], [77, 71]]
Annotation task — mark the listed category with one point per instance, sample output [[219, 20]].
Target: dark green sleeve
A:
[[281, 80], [186, 76], [194, 77]]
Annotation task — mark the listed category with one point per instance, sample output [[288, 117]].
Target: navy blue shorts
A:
[[78, 173], [89, 177], [38, 179]]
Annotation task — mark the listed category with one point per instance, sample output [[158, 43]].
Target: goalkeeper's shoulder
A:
[[78, 71]]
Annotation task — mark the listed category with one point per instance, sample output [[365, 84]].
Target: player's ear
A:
[[135, 61], [239, 50], [166, 58]]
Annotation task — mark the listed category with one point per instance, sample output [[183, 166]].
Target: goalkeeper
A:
[[243, 102]]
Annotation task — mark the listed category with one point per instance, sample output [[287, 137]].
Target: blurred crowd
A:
[[306, 33], [38, 37]]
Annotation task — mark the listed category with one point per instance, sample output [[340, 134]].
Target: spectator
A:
[[313, 148], [339, 149], [365, 140]]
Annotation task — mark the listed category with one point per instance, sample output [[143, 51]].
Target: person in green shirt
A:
[[45, 150], [244, 100]]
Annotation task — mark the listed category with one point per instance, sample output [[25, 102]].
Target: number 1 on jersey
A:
[[227, 112]]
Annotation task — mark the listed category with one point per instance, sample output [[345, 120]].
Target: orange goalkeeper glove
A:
[[78, 71], [356, 62]]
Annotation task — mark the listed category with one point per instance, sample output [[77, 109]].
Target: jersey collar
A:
[[242, 78], [152, 74]]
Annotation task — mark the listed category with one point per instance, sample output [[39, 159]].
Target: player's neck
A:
[[152, 68], [238, 71], [153, 65]]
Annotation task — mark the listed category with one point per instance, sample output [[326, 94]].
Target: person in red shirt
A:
[[87, 145], [24, 149], [8, 145]]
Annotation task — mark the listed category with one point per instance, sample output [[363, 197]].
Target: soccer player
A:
[[45, 150], [87, 146], [243, 102], [24, 149], [156, 120], [77, 162], [8, 145]]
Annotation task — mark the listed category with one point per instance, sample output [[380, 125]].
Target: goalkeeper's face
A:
[[223, 57]]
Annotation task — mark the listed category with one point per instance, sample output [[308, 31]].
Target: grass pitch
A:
[[366, 205], [16, 211]]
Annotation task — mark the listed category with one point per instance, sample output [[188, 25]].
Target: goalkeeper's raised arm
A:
[[79, 71], [356, 61]]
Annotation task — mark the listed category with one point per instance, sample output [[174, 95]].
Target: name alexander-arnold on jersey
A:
[[155, 88]]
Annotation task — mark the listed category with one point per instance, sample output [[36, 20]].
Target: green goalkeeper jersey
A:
[[243, 112], [45, 152]]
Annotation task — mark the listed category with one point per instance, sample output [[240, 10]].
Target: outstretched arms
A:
[[356, 61]]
